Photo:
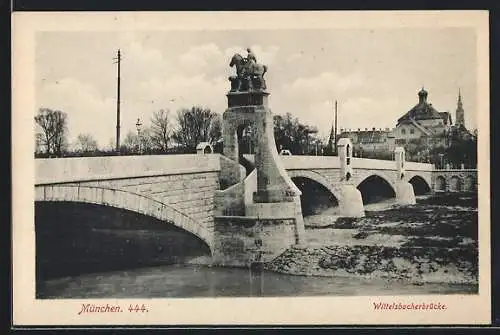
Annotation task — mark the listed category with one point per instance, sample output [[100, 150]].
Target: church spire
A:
[[460, 113]]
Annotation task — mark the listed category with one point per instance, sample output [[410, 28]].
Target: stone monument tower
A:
[[264, 193]]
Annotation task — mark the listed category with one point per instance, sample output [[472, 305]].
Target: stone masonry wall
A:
[[238, 241], [331, 175], [192, 194]]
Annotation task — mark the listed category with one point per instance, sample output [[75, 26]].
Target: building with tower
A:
[[422, 131], [423, 124]]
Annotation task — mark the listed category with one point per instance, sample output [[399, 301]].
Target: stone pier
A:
[[350, 202], [260, 215], [405, 194]]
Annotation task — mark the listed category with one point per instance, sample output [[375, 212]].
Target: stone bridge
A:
[[180, 189], [176, 189], [455, 180], [326, 171]]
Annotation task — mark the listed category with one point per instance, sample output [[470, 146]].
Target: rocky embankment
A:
[[418, 265], [435, 241]]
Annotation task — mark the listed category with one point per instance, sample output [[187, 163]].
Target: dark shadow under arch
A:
[[440, 183], [420, 186], [374, 189], [74, 238], [315, 197], [470, 184], [455, 184]]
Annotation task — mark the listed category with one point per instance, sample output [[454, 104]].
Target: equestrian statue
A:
[[249, 74]]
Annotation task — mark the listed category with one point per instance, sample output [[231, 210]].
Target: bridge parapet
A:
[[310, 162], [414, 166], [79, 169]]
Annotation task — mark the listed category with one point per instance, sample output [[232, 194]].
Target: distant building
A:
[[419, 130], [370, 142], [423, 129], [423, 124]]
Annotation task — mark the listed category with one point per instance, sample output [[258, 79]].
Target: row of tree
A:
[[164, 134], [192, 126]]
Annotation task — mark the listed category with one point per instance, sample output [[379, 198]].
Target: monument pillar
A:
[[405, 194], [351, 202], [271, 220]]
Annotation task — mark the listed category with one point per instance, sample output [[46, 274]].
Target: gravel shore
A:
[[435, 241]]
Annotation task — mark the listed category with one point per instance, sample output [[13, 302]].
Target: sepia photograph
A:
[[256, 161]]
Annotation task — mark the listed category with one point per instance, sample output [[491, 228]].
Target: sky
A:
[[374, 74]]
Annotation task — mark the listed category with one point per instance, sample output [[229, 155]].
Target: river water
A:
[[185, 281], [195, 280]]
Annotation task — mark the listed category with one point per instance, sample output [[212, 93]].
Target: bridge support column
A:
[[272, 219], [351, 202], [405, 194]]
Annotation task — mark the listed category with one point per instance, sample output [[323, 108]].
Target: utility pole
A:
[[118, 61], [335, 131]]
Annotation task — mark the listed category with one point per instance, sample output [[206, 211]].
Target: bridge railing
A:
[[455, 170]]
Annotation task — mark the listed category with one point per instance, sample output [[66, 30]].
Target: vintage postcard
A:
[[229, 168]]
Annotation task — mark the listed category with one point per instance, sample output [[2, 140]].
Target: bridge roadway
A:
[[179, 189]]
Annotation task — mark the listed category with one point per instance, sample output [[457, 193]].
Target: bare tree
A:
[[146, 141], [130, 142], [38, 143], [215, 128], [86, 143], [160, 130], [193, 126], [53, 124]]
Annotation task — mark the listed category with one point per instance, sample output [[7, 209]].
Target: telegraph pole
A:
[[335, 131], [118, 61]]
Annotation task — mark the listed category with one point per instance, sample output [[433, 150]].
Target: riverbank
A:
[[434, 241]]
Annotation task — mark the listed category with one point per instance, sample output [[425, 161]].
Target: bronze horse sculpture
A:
[[248, 73]]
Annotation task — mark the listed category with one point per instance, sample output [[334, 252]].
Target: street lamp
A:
[[441, 160], [138, 125]]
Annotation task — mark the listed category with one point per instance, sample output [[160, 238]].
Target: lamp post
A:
[[441, 160], [138, 125], [249, 139]]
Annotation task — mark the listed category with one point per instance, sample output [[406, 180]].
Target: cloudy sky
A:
[[374, 74]]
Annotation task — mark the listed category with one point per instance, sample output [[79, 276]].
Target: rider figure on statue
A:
[[251, 56]]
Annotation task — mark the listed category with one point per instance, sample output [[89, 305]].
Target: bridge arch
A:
[[123, 200], [315, 197], [316, 177], [420, 185], [364, 174], [374, 187]]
